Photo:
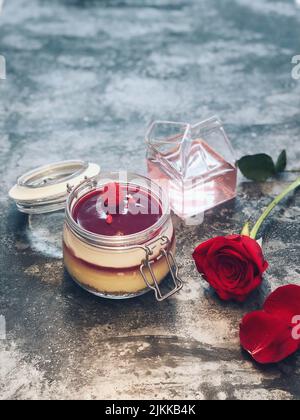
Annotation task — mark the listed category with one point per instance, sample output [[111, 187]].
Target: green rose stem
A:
[[269, 209]]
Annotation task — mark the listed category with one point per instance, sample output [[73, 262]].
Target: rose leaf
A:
[[281, 162], [258, 167]]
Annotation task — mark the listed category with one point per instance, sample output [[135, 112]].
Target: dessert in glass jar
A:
[[119, 238]]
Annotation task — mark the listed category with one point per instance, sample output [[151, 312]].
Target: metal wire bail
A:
[[173, 267]]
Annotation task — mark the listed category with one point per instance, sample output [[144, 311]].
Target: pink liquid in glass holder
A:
[[194, 164]]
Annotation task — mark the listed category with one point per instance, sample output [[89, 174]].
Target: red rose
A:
[[232, 265], [273, 334]]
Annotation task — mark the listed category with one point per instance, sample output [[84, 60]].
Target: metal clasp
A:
[[173, 267], [70, 187]]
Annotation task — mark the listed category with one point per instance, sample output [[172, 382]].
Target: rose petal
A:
[[203, 247], [244, 246], [255, 253], [200, 253], [251, 250], [231, 253], [223, 294], [217, 245], [284, 302], [267, 338]]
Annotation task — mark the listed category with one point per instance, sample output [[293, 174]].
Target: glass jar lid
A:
[[45, 189]]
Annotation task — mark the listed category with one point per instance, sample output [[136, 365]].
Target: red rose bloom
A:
[[273, 334], [232, 265]]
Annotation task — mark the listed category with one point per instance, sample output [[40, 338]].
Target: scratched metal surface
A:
[[84, 78]]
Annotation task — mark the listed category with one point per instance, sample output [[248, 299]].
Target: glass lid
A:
[[45, 189]]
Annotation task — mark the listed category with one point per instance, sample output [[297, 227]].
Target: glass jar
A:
[[113, 266], [121, 266]]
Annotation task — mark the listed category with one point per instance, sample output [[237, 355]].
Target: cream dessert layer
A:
[[107, 280], [115, 257]]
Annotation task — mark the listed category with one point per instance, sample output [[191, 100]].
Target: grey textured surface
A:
[[83, 80]]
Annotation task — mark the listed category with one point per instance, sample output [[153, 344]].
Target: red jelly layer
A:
[[136, 211], [67, 250]]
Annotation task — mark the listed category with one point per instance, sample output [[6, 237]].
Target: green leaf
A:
[[281, 162], [257, 167]]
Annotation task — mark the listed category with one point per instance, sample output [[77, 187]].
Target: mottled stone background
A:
[[84, 78]]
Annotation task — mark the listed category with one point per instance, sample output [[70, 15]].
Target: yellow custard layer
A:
[[114, 271], [109, 281]]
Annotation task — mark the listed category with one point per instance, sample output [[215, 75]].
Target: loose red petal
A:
[[284, 302], [266, 337]]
